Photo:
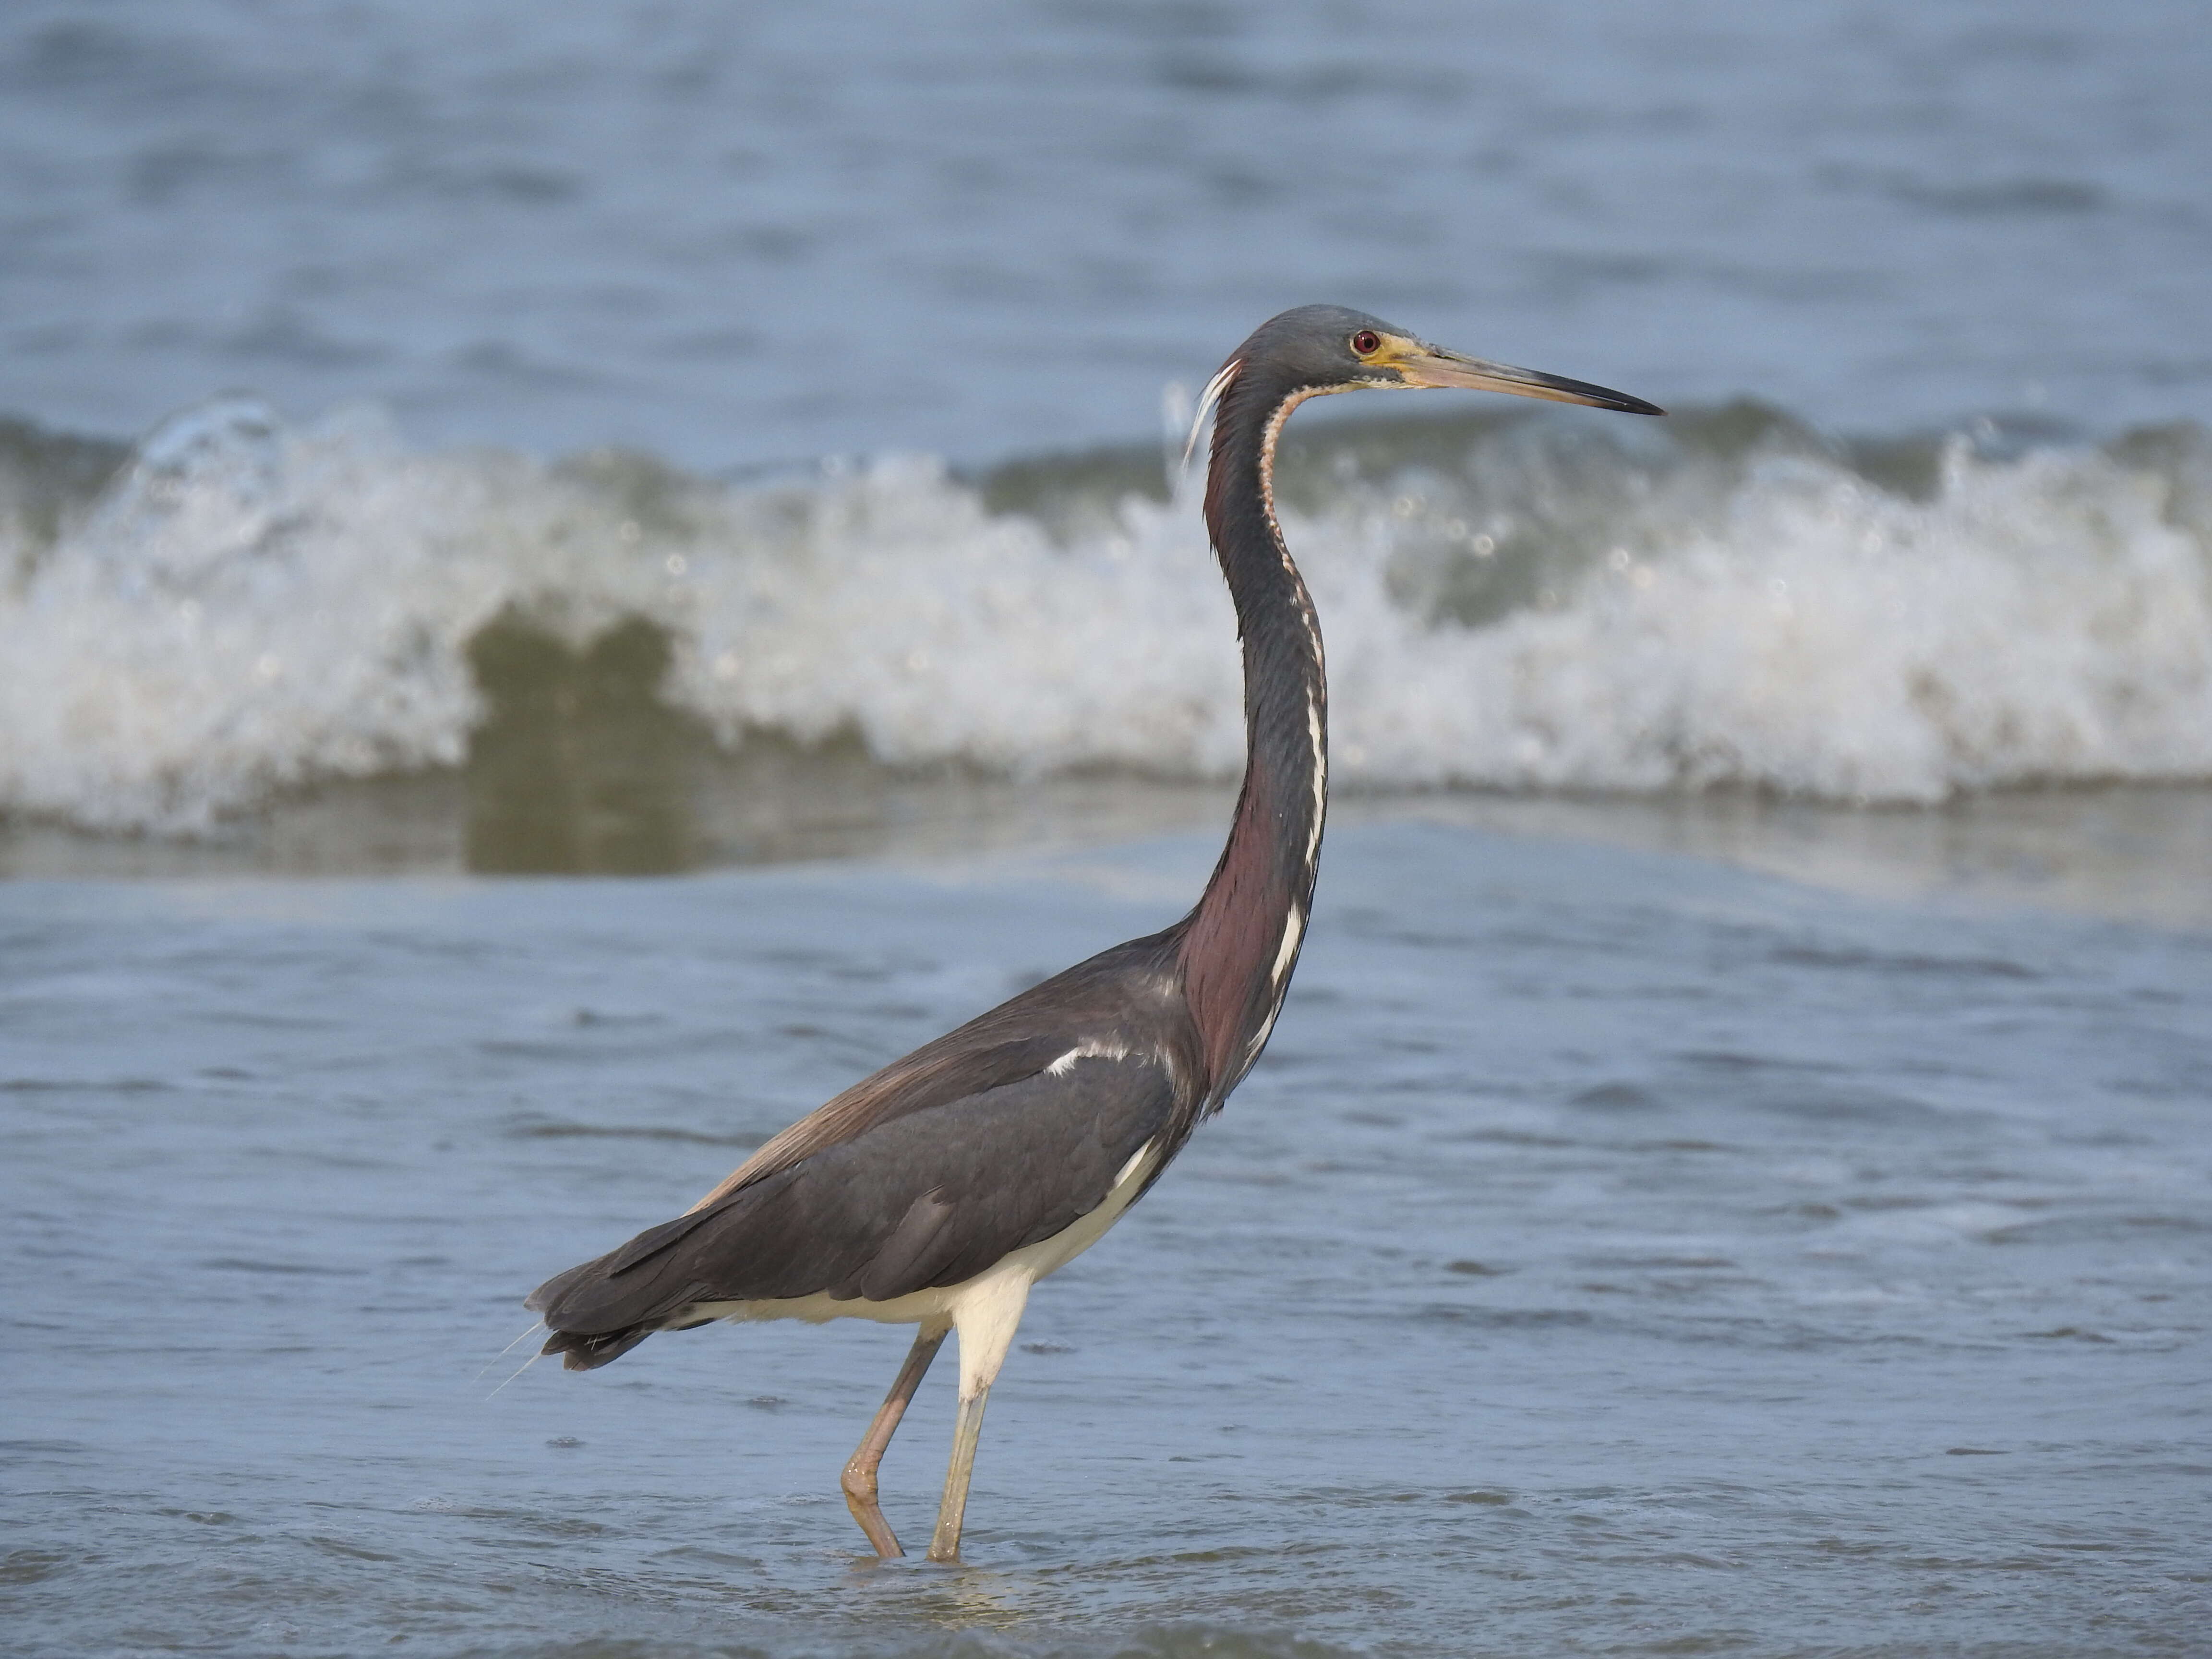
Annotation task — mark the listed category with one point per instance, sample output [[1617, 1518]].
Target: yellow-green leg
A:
[[987, 1320]]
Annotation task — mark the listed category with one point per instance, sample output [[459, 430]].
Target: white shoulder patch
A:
[[1065, 1063]]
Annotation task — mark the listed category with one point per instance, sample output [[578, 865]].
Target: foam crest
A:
[[247, 606], [2044, 619]]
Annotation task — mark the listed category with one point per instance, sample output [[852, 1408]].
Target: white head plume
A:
[[1206, 400]]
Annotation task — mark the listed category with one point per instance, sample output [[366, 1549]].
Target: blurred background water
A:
[[557, 402], [728, 233], [640, 438]]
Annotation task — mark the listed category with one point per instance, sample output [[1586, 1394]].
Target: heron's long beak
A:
[[1425, 365]]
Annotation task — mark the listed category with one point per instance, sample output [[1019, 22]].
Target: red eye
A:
[[1366, 343]]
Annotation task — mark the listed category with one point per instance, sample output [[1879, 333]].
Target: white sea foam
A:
[[250, 606]]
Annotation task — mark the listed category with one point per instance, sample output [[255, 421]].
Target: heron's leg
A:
[[987, 1322], [860, 1477], [945, 1542]]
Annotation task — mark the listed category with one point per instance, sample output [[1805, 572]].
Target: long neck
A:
[[1241, 942]]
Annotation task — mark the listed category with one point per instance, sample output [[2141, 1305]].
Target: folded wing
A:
[[922, 1200]]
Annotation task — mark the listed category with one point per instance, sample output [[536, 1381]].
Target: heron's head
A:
[[1323, 348]]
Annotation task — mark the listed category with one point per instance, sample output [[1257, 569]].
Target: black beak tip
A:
[[1601, 397]]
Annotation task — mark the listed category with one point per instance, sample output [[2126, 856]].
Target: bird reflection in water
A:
[[577, 766]]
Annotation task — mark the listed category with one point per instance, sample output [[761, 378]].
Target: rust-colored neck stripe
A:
[[1241, 941]]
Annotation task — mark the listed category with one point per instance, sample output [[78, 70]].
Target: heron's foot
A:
[[945, 1551], [859, 1485], [944, 1545]]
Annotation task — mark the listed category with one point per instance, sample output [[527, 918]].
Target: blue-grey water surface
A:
[[1615, 1253], [736, 232]]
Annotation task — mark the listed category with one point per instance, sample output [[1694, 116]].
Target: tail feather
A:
[[583, 1352], [593, 1320]]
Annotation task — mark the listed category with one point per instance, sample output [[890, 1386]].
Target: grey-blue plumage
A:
[[935, 1191], [939, 1191]]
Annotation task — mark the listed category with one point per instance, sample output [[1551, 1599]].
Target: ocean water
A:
[[1733, 1174], [1729, 599], [1617, 1253], [735, 233], [522, 392]]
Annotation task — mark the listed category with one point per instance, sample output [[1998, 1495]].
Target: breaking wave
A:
[[238, 606]]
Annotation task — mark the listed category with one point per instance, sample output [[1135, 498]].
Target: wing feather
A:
[[925, 1198]]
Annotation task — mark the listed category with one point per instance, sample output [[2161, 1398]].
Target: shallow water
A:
[[1622, 1248], [1615, 1253]]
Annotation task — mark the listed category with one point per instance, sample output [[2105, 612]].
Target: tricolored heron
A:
[[938, 1191]]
